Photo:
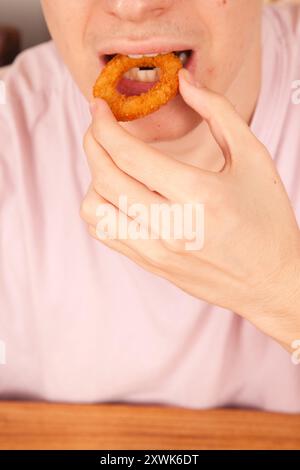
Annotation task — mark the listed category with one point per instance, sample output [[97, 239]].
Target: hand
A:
[[250, 261]]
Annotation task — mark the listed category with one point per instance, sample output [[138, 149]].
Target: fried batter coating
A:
[[129, 108]]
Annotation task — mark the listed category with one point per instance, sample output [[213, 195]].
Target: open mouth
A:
[[149, 74], [141, 79]]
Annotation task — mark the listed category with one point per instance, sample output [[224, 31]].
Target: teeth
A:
[[152, 75], [135, 56], [155, 54], [151, 55], [142, 75], [140, 56], [132, 73]]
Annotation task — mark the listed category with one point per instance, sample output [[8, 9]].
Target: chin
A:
[[170, 122]]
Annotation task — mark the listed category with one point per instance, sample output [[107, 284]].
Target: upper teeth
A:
[[140, 56], [143, 75], [182, 56]]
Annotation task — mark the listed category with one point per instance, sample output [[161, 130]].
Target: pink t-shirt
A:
[[82, 323]]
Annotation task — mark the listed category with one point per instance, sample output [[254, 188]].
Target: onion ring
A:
[[128, 108]]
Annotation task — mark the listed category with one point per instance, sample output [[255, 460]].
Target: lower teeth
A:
[[152, 75], [142, 75]]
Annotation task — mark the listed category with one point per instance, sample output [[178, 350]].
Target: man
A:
[[211, 327]]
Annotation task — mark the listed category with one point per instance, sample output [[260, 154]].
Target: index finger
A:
[[156, 170]]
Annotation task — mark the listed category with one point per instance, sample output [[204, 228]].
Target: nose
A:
[[137, 10]]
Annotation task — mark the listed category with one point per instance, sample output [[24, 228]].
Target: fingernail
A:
[[189, 77]]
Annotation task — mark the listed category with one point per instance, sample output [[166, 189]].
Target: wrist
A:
[[277, 309], [286, 309]]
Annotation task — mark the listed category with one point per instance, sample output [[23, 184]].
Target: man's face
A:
[[217, 36]]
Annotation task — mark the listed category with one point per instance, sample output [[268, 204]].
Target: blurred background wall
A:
[[26, 15]]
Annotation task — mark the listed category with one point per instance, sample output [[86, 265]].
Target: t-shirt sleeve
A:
[[290, 14]]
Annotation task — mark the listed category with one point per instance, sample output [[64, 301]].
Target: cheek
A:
[[233, 31], [67, 24], [66, 21]]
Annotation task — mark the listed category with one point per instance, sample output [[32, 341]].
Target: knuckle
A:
[[123, 157], [98, 129], [104, 131], [86, 141], [102, 184], [93, 232], [85, 209], [104, 168]]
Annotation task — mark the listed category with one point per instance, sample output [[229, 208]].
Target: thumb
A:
[[228, 128]]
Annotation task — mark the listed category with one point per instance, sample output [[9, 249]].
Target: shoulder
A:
[[29, 85], [35, 70], [32, 86], [286, 17]]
